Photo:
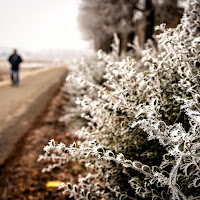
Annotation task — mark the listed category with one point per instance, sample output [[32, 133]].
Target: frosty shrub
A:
[[142, 139], [89, 68], [92, 69]]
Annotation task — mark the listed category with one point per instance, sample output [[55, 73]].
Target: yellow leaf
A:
[[53, 184]]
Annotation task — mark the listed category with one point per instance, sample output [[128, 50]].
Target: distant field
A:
[[27, 67]]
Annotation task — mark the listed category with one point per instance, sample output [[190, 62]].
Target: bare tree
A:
[[100, 19]]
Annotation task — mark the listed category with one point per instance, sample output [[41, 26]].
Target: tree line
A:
[[132, 20]]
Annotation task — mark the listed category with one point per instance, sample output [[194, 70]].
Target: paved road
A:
[[20, 106]]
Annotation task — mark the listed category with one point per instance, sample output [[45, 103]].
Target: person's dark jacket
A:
[[15, 60]]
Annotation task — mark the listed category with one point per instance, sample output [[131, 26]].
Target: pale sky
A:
[[36, 24]]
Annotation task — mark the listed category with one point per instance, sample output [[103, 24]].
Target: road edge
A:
[[37, 107]]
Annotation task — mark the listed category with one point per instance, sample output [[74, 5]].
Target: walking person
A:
[[14, 60]]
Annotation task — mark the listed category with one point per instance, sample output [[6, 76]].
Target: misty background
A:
[[40, 29]]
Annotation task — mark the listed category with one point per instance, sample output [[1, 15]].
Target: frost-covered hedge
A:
[[142, 139]]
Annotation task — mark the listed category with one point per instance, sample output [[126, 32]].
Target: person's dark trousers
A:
[[14, 75]]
